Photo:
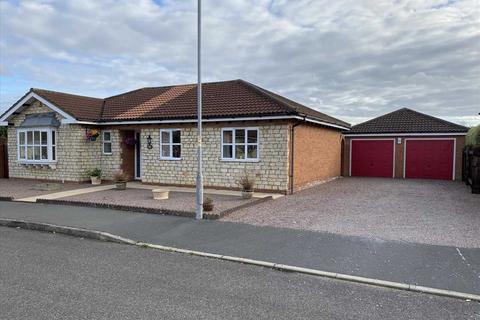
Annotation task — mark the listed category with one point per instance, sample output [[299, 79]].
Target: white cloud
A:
[[353, 60]]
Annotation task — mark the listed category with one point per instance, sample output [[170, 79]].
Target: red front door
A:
[[372, 158], [429, 159]]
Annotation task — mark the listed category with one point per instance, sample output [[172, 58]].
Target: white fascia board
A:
[[67, 118], [3, 123], [211, 120], [406, 134], [127, 122], [327, 124]]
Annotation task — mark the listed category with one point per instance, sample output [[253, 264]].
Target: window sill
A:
[[240, 160], [170, 159], [50, 164]]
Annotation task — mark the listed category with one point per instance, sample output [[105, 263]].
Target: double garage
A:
[[435, 154]]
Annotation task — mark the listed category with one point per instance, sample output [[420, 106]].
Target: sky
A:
[[354, 60]]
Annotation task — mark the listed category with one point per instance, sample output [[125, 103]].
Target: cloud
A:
[[353, 60]]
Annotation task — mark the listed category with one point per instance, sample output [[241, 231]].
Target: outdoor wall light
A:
[[149, 142]]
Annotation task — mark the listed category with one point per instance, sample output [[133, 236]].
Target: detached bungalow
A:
[[150, 134]]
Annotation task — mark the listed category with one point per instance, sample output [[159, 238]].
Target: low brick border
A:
[[178, 213], [118, 207], [2, 198]]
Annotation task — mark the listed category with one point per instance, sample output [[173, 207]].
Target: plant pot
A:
[[96, 180], [208, 207], [247, 194], [121, 185]]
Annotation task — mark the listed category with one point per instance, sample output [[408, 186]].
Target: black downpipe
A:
[[292, 148]]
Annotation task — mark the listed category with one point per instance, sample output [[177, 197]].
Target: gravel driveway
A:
[[423, 211]]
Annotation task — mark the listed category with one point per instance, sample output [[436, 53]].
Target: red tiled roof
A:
[[406, 121], [227, 99], [80, 107]]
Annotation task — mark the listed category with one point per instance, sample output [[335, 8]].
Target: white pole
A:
[[199, 208]]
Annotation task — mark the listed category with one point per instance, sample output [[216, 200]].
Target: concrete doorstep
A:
[[105, 236]]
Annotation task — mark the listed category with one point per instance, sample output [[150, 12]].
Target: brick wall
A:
[[317, 155], [271, 170]]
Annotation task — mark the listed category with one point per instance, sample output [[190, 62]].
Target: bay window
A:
[[170, 144], [240, 144], [36, 145]]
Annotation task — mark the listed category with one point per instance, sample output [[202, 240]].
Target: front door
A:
[[138, 160]]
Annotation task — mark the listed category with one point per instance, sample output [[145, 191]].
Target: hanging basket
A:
[[92, 134]]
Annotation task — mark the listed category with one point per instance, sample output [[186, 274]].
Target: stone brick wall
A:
[[111, 163], [75, 155], [271, 170]]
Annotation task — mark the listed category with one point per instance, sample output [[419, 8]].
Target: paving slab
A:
[[442, 267]]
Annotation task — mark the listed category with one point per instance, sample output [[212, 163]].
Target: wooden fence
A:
[[471, 167], [3, 158]]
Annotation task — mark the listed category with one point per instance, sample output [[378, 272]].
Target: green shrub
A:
[[3, 131], [473, 136], [96, 172]]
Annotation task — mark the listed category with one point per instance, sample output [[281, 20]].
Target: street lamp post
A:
[[199, 185]]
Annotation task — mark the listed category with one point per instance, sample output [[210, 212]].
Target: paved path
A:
[[441, 267], [46, 276]]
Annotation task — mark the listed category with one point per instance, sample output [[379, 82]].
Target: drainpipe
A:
[[292, 148]]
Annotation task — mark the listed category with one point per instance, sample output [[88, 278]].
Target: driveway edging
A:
[[105, 236], [168, 212]]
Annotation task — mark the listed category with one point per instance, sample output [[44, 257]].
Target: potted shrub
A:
[[121, 179], [247, 183], [95, 175], [208, 204]]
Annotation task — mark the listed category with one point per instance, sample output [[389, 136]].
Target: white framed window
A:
[[170, 144], [36, 145], [107, 142], [240, 144]]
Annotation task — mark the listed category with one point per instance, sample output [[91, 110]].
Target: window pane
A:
[[177, 151], [176, 136], [106, 136], [29, 137], [53, 137], [36, 153], [44, 138], [165, 150], [54, 153], [30, 153], [252, 136], [36, 137], [21, 138], [252, 152], [227, 136], [165, 136], [227, 152], [107, 147], [240, 151], [240, 136], [44, 153], [22, 152]]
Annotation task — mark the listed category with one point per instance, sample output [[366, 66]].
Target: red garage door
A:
[[429, 159], [372, 158]]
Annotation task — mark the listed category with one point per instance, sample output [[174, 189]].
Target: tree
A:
[[473, 136], [3, 131]]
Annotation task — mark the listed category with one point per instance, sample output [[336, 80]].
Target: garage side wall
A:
[[399, 153], [317, 155]]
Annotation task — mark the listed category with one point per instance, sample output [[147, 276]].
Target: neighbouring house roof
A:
[[406, 121], [40, 120], [226, 99]]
